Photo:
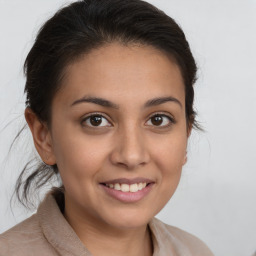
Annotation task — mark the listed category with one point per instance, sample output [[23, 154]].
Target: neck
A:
[[103, 239]]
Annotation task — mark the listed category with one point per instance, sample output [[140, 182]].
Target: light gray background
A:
[[216, 199]]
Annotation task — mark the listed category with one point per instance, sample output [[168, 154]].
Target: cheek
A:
[[78, 157], [169, 154], [169, 157]]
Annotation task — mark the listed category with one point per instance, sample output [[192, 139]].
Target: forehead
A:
[[119, 73]]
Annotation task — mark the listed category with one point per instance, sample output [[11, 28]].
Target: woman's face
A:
[[119, 134]]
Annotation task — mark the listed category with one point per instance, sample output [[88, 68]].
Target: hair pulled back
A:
[[77, 29]]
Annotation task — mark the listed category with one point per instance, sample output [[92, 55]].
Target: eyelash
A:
[[163, 115], [92, 115]]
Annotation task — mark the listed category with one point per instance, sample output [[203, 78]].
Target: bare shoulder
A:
[[182, 239], [23, 239]]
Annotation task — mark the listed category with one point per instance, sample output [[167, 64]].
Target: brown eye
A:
[[156, 120], [160, 120], [96, 120]]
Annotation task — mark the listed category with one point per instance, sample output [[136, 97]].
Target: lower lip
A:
[[128, 197]]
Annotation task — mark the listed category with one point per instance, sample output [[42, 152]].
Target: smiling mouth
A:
[[135, 187], [128, 190]]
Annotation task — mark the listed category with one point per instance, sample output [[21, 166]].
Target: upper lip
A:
[[128, 181]]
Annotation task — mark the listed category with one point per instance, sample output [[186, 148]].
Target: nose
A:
[[130, 149]]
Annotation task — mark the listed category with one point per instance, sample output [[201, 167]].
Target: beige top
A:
[[47, 233]]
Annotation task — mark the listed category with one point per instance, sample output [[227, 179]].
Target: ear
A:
[[185, 159], [189, 130], [41, 136]]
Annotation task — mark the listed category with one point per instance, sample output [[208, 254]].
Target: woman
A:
[[110, 106]]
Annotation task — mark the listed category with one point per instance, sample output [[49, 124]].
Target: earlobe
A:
[[189, 130], [41, 136], [185, 159]]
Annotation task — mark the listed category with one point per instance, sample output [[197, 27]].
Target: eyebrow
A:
[[109, 104], [96, 100], [161, 100]]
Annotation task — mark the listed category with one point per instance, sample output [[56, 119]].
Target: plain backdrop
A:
[[216, 199]]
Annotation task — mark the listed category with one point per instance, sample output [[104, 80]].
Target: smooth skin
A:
[[127, 142]]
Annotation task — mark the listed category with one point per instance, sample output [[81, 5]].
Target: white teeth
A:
[[128, 188], [140, 186], [134, 188], [117, 186], [125, 188]]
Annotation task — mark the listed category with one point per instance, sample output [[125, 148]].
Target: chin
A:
[[129, 218]]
